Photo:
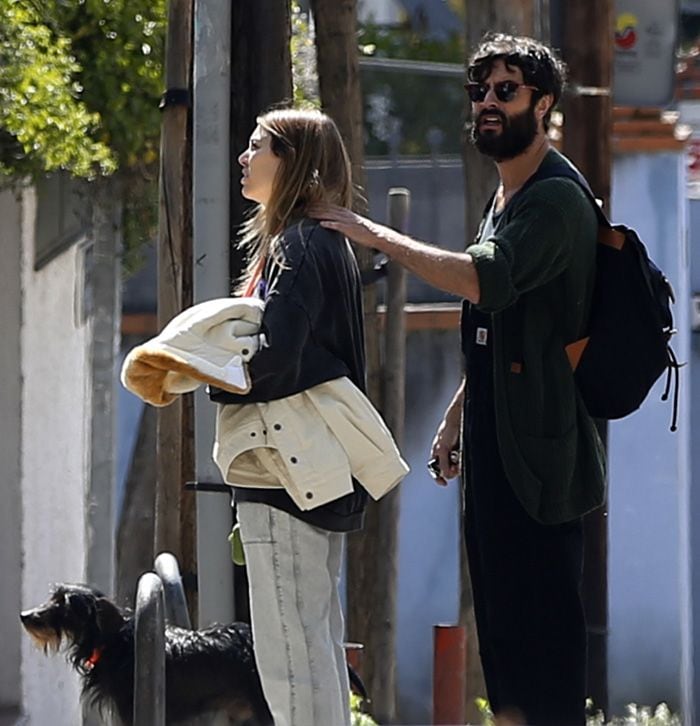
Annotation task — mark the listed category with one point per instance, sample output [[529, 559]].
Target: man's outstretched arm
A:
[[452, 272]]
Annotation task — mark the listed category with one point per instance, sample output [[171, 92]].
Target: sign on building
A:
[[645, 48]]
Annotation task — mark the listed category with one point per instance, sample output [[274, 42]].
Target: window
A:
[[62, 216]]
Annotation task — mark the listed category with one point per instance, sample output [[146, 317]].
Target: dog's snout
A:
[[28, 616]]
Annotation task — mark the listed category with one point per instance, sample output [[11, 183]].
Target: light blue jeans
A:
[[293, 574]]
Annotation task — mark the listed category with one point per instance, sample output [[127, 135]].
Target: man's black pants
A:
[[526, 580]]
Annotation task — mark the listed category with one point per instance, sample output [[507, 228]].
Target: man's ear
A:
[[543, 105]]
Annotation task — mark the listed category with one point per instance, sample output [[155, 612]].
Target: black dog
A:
[[205, 670]]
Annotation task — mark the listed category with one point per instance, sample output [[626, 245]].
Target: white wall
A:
[[54, 457], [650, 636]]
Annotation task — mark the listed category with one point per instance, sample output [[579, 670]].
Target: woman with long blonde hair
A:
[[312, 326]]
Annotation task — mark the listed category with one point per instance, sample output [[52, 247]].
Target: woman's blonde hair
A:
[[314, 167]]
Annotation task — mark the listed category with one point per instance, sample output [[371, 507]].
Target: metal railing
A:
[[149, 652], [160, 599]]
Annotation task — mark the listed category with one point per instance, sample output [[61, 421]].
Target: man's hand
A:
[[445, 450], [453, 272], [354, 226], [446, 444]]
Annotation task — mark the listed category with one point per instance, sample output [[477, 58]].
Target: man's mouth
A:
[[490, 121]]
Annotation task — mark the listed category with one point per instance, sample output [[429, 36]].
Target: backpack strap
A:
[[607, 234]]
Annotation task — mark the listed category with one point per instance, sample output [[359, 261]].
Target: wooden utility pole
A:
[[174, 509], [261, 76], [587, 141], [341, 97], [371, 556]]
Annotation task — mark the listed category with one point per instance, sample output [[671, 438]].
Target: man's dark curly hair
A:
[[539, 66]]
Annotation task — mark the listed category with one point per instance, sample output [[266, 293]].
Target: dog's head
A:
[[77, 615]]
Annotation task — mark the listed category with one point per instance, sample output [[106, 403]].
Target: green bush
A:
[[636, 715], [358, 717]]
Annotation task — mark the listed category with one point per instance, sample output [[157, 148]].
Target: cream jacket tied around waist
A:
[[311, 443]]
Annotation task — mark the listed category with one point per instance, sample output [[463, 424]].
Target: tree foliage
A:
[[79, 84], [303, 52], [410, 112], [119, 47], [44, 126]]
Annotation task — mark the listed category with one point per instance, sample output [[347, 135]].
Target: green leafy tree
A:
[[80, 82], [303, 53], [44, 126], [411, 112]]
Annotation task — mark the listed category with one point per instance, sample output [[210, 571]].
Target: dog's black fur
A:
[[206, 670]]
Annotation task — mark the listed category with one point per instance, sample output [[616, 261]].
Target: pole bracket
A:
[[175, 97]]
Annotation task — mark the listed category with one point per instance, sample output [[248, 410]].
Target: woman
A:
[[312, 327]]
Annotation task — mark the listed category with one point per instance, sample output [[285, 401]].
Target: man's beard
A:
[[516, 134]]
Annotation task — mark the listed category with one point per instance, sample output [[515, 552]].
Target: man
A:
[[533, 463]]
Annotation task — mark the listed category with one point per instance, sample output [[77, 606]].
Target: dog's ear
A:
[[109, 617]]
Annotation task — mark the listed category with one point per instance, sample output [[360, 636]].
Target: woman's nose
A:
[[243, 158]]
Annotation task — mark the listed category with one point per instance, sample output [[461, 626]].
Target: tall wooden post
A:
[[261, 76], [174, 511], [587, 142], [371, 578]]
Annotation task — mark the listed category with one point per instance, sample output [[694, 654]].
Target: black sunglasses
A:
[[505, 91]]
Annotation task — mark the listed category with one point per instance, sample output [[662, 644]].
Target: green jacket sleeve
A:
[[531, 244]]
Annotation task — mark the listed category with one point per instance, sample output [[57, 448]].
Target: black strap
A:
[[175, 97]]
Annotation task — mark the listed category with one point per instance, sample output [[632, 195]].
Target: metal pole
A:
[[167, 569], [149, 653], [106, 272], [211, 239], [449, 674]]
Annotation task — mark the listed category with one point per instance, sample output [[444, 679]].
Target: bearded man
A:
[[531, 459]]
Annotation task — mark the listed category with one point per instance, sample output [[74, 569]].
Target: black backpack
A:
[[627, 346]]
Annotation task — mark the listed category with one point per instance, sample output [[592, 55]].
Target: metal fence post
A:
[[449, 674], [176, 612], [149, 653]]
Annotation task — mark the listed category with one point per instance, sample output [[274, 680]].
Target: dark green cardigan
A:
[[536, 273]]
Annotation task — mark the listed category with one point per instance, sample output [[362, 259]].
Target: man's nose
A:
[[490, 99]]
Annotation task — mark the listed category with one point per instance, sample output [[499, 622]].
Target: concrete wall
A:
[[694, 376], [54, 458], [650, 636], [430, 518]]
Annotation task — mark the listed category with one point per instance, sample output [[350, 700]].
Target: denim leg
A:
[[337, 621], [293, 616]]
